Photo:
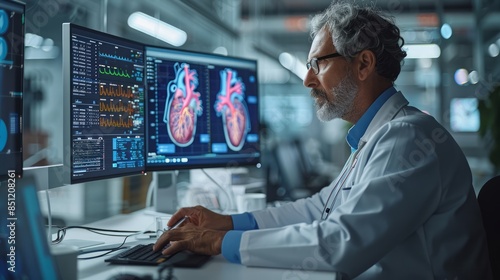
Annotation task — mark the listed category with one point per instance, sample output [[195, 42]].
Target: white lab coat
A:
[[407, 210]]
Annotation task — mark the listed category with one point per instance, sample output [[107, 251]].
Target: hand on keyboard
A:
[[202, 217], [192, 238]]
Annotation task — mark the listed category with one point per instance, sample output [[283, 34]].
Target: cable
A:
[[110, 250], [61, 232]]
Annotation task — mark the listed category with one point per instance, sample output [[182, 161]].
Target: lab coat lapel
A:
[[389, 111]]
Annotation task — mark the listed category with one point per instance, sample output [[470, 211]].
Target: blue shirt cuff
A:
[[244, 221], [231, 246]]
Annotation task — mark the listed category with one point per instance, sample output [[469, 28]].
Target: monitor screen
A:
[[104, 105], [202, 110], [11, 80]]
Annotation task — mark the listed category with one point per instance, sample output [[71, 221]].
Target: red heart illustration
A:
[[184, 106], [231, 105], [236, 123], [181, 120]]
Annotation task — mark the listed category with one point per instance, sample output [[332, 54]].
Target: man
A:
[[402, 208]]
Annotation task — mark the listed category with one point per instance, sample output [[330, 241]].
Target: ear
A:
[[365, 64]]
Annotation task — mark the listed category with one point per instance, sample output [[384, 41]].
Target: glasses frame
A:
[[313, 63]]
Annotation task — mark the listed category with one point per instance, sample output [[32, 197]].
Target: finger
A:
[[181, 213], [176, 216], [175, 247], [170, 235], [162, 241], [158, 244]]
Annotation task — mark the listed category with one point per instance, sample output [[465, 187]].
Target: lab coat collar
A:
[[356, 132], [388, 112]]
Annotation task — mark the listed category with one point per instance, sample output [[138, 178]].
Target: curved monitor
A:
[[11, 81], [104, 105], [202, 110]]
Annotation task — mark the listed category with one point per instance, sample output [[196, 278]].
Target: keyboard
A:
[[143, 254]]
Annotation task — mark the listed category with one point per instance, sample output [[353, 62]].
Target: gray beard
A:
[[343, 100]]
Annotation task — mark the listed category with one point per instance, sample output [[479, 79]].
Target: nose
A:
[[310, 80]]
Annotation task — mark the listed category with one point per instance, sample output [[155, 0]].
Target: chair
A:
[[489, 203], [288, 182], [290, 174]]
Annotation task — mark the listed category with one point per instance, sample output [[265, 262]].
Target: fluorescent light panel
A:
[[157, 28], [291, 63], [422, 51]]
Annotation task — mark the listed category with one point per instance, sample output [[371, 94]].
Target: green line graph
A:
[[117, 72]]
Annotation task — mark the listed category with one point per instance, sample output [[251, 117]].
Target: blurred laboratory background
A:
[[451, 72]]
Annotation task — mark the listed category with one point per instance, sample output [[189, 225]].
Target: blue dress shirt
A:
[[356, 132], [232, 239]]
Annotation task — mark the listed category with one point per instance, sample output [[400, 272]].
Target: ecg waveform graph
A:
[[114, 71], [117, 57], [116, 91], [117, 107], [117, 122]]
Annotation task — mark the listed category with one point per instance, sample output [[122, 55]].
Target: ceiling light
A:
[[493, 50], [291, 63], [461, 76], [157, 28], [221, 50], [422, 51], [473, 77], [286, 60], [446, 31]]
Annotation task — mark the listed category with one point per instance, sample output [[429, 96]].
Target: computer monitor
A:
[[103, 105], [202, 110], [11, 80]]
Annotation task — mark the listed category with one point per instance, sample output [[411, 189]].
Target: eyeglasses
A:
[[313, 63]]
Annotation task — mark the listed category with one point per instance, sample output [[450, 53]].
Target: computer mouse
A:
[[130, 276]]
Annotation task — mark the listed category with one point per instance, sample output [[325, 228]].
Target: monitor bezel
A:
[[248, 162], [67, 29], [21, 7]]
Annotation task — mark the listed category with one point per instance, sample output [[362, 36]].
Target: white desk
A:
[[217, 268]]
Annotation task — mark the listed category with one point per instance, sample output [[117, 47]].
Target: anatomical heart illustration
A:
[[183, 105], [231, 106]]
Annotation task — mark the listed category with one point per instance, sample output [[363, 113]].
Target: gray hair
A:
[[354, 29]]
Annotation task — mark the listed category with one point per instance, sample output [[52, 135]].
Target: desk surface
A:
[[217, 268]]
